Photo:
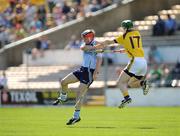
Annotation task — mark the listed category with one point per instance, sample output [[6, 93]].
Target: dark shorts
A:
[[84, 75], [1, 87]]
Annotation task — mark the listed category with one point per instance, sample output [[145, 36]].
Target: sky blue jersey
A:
[[89, 57]]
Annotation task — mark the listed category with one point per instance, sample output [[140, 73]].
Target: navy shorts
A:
[[84, 75]]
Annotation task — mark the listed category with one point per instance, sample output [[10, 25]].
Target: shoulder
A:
[[134, 32], [82, 44]]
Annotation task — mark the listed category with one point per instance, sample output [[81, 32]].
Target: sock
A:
[[126, 94], [76, 114], [126, 97]]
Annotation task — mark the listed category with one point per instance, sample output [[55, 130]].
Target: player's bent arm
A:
[[98, 66], [104, 44]]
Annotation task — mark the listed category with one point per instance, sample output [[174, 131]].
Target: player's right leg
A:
[[71, 78], [85, 75], [122, 83], [76, 116]]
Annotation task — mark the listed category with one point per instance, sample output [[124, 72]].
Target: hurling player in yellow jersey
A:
[[133, 75]]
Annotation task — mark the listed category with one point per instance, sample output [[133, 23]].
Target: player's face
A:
[[87, 40]]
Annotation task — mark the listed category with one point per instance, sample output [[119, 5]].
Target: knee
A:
[[63, 82], [122, 84]]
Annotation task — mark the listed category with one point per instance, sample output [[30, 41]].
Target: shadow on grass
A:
[[107, 127], [92, 127], [145, 127]]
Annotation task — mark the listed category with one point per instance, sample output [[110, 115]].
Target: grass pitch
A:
[[96, 121]]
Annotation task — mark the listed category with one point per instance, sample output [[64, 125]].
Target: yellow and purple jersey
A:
[[132, 43]]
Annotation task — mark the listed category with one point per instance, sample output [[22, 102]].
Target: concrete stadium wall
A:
[[109, 20], [60, 57], [156, 97]]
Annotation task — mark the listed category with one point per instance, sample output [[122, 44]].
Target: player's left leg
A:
[[70, 78], [123, 83], [76, 116], [134, 82], [138, 71]]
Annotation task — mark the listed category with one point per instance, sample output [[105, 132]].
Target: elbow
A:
[[82, 48]]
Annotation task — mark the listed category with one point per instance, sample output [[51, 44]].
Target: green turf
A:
[[96, 121]]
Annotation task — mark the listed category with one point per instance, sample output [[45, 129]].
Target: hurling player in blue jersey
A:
[[86, 74]]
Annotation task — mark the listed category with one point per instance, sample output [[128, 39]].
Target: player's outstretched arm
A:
[[104, 44], [120, 51], [100, 45]]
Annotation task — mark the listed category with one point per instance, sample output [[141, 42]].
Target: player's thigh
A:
[[70, 78], [133, 80], [123, 78]]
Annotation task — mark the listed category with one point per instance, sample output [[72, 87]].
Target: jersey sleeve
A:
[[82, 44], [119, 40]]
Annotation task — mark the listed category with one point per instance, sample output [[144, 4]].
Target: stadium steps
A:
[[144, 33], [176, 7], [149, 21], [47, 77], [149, 40], [117, 33]]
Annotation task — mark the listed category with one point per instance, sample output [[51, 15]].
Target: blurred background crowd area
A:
[[22, 18]]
